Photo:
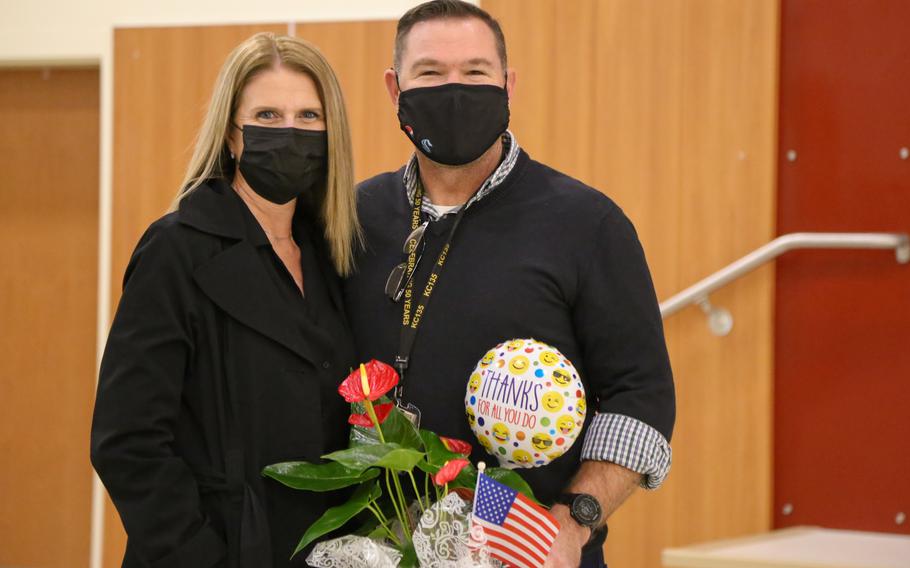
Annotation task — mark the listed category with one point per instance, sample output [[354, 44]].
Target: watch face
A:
[[586, 509]]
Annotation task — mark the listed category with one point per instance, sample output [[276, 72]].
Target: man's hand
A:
[[566, 551], [610, 484]]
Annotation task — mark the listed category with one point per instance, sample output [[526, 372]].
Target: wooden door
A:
[[48, 284]]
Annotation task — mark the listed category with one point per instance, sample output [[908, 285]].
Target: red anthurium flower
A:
[[449, 471], [370, 381], [382, 412], [457, 446]]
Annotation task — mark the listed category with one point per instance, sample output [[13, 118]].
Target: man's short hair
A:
[[441, 9]]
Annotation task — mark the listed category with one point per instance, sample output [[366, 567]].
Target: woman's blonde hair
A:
[[211, 156]]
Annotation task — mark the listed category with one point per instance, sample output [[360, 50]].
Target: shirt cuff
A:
[[630, 443]]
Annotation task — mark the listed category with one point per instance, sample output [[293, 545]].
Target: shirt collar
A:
[[412, 178]]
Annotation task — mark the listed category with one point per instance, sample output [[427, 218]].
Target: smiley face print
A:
[[552, 401], [501, 432], [521, 457], [565, 424], [549, 358], [580, 407], [472, 418], [485, 442], [519, 365], [487, 359], [542, 441], [556, 453], [515, 345], [474, 383], [561, 377]]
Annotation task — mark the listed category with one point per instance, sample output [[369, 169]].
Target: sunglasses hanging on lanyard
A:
[[400, 285]]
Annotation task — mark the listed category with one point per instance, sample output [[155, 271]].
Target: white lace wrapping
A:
[[353, 552], [442, 539]]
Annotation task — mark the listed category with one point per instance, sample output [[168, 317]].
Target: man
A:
[[513, 249]]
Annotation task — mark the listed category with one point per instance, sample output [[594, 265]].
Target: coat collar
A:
[[214, 208], [235, 279]]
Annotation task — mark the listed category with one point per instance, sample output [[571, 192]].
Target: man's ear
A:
[[510, 82], [391, 85]]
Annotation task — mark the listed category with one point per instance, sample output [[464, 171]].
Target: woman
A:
[[230, 339]]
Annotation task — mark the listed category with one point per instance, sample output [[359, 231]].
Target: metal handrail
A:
[[721, 320]]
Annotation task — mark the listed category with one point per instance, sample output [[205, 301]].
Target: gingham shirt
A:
[[615, 438]]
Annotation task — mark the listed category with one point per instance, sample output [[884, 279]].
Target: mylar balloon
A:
[[525, 403]]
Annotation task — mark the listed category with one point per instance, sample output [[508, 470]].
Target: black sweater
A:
[[543, 256]]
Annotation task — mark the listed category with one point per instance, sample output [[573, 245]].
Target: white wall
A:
[[74, 31]]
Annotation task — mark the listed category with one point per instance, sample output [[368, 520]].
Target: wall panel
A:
[[49, 260], [359, 53], [669, 107], [843, 317]]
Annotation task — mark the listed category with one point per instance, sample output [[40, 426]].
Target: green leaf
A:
[[377, 533], [396, 429], [337, 516], [426, 467], [467, 478], [512, 479], [389, 455], [437, 453], [317, 477], [399, 430], [408, 555]]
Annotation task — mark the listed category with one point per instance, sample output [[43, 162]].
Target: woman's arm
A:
[[139, 399]]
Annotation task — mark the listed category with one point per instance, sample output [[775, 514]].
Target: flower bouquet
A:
[[400, 517]]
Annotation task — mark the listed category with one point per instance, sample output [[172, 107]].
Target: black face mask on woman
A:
[[454, 124], [283, 163]]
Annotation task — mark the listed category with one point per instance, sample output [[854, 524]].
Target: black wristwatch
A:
[[584, 508]]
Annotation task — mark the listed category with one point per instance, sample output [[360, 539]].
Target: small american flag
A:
[[518, 532]]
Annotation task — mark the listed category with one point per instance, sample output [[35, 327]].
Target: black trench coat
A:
[[212, 370]]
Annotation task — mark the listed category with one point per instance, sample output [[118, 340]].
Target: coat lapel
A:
[[235, 279]]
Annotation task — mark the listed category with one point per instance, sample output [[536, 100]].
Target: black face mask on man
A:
[[283, 163], [454, 123]]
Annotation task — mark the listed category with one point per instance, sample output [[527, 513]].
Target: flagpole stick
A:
[[476, 541], [481, 467]]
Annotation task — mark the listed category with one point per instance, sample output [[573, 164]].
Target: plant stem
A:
[[378, 512], [395, 504], [369, 406], [403, 502], [417, 492], [383, 522]]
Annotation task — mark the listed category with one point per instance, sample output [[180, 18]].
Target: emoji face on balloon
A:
[[561, 377], [549, 358], [472, 418], [521, 456], [565, 424], [487, 359], [501, 432], [580, 407], [515, 345], [552, 401], [485, 442], [542, 441], [519, 365], [556, 453], [474, 383]]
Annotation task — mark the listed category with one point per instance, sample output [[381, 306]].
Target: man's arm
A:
[[629, 380], [611, 485]]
